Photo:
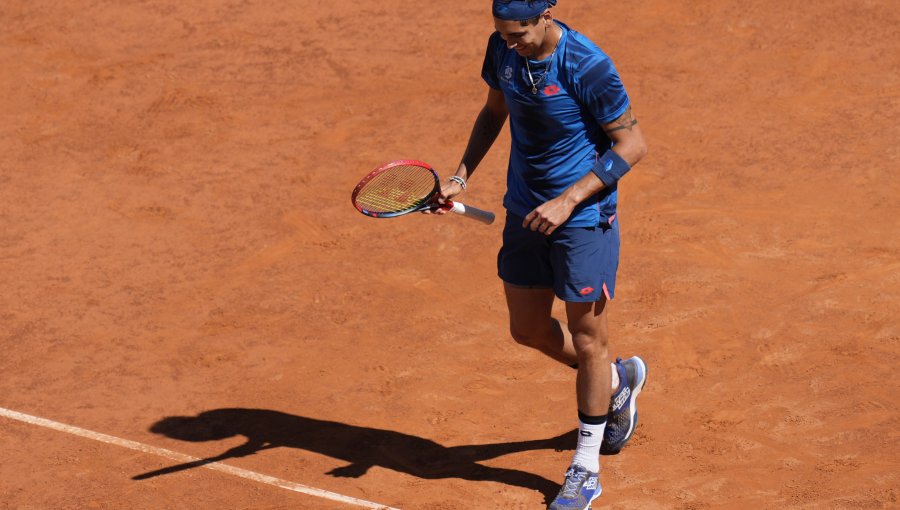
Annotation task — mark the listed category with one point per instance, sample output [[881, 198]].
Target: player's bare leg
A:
[[531, 325], [588, 327]]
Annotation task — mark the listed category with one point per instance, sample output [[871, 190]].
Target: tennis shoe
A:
[[580, 488], [623, 416]]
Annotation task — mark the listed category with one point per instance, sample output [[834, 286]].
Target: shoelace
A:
[[574, 480]]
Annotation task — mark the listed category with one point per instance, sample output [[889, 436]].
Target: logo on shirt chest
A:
[[507, 73], [551, 90]]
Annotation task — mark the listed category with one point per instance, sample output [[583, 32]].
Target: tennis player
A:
[[574, 136]]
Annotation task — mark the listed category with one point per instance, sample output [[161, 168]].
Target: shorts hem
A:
[[604, 293], [583, 300], [526, 286]]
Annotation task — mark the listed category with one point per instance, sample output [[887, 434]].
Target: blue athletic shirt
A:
[[556, 133]]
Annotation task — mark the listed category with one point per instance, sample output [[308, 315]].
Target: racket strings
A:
[[400, 188]]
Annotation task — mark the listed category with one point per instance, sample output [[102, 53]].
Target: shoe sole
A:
[[632, 407]]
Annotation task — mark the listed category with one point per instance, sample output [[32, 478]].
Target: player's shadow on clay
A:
[[362, 447]]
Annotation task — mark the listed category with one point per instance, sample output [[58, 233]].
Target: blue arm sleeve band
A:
[[610, 168]]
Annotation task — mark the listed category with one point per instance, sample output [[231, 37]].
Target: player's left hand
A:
[[548, 216]]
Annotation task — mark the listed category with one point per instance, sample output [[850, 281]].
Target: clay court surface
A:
[[177, 240]]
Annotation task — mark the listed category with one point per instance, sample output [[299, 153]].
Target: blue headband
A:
[[520, 10]]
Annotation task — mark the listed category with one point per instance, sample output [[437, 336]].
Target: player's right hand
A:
[[449, 189]]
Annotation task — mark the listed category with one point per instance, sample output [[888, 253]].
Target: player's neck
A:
[[551, 41]]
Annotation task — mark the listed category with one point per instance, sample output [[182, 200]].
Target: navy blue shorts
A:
[[578, 263]]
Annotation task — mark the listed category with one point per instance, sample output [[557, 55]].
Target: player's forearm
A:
[[584, 188], [485, 131], [631, 149]]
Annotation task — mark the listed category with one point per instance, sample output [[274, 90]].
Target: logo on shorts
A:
[[585, 291]]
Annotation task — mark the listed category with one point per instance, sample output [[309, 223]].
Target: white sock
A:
[[615, 377], [587, 452]]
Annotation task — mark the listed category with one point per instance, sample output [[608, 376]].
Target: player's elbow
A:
[[637, 150], [641, 147]]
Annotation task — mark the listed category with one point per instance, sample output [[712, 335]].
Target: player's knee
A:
[[520, 337], [590, 345], [525, 337]]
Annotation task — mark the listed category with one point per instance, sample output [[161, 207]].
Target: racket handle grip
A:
[[475, 213]]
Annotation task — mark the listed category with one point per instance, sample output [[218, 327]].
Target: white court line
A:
[[180, 457]]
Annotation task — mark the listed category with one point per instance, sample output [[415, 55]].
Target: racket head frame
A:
[[427, 204]]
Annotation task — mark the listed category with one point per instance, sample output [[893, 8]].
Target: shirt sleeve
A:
[[491, 57], [600, 89]]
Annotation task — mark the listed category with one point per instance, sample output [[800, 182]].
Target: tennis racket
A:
[[403, 187]]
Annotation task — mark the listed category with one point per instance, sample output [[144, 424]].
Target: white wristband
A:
[[459, 180]]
